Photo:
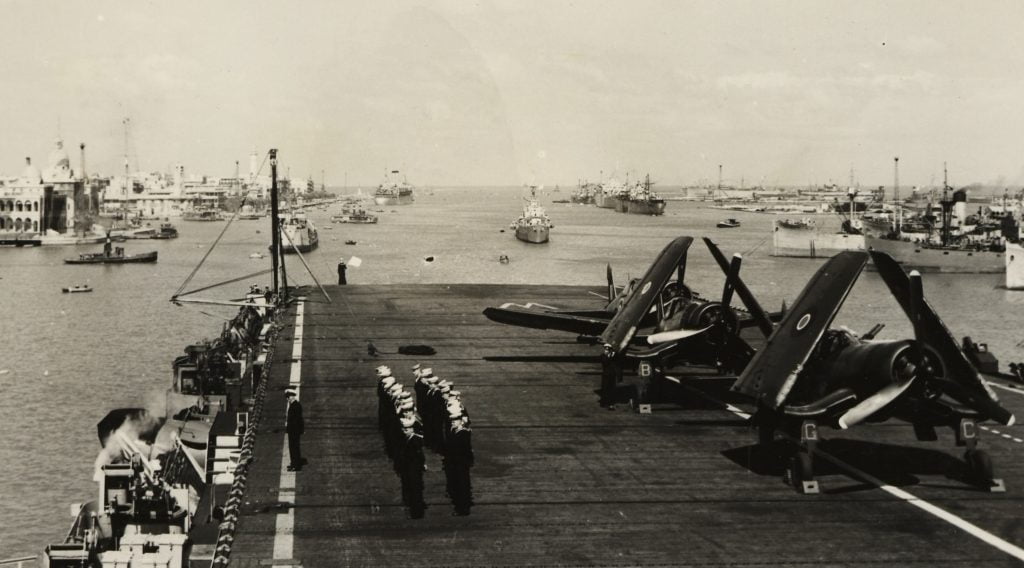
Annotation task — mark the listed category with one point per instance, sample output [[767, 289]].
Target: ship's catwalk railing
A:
[[226, 535]]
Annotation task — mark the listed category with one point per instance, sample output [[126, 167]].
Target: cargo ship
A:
[[609, 195], [392, 192], [960, 243], [584, 194], [642, 201], [534, 225], [298, 233], [805, 238]]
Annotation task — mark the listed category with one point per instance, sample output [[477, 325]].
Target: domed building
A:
[[39, 206]]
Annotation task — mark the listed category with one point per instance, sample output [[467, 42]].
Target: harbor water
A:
[[70, 358]]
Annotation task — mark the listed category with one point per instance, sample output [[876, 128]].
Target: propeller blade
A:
[[873, 404], [730, 279], [681, 270], [611, 283], [755, 309], [916, 301], [676, 335]]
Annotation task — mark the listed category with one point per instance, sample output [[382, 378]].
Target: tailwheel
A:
[[980, 471]]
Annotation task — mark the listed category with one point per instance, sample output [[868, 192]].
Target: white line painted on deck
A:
[[970, 528], [284, 531], [1001, 434]]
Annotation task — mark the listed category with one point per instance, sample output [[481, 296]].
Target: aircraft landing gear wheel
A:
[[800, 473], [979, 466]]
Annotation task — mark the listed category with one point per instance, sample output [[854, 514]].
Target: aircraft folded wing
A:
[[524, 316], [934, 333], [624, 325], [774, 369]]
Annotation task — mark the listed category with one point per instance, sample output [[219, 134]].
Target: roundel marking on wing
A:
[[806, 319], [646, 287]]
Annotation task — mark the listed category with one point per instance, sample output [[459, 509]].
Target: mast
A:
[[275, 246], [896, 191]]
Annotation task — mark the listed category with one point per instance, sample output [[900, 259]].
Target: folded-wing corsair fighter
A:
[[657, 321], [809, 374]]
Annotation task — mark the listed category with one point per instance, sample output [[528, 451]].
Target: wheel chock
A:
[[809, 487], [643, 408]]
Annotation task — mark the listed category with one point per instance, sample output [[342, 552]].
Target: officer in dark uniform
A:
[[294, 426], [342, 267]]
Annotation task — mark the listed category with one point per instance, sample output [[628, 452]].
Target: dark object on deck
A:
[[980, 356], [371, 349], [416, 350]]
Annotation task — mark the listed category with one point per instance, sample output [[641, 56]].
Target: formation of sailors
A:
[[447, 432], [403, 438], [441, 423]]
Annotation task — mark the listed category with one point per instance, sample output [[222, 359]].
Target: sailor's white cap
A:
[[416, 367], [445, 386], [408, 421], [405, 394], [406, 405], [386, 382], [427, 372], [291, 392], [395, 389], [455, 393], [383, 371]]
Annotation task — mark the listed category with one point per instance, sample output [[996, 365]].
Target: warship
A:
[[534, 225]]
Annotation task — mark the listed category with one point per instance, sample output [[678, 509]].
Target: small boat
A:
[[256, 255], [167, 231], [350, 242], [503, 259], [77, 288], [728, 224]]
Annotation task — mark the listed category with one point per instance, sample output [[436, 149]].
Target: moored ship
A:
[[353, 213], [1014, 266], [112, 256], [534, 225], [393, 192], [961, 245], [298, 233], [202, 214], [804, 238], [609, 194], [642, 201]]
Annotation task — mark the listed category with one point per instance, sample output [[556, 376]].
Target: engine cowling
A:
[[867, 366]]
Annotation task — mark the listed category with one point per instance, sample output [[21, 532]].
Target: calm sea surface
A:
[[66, 359]]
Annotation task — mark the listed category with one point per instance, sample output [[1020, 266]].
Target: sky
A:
[[506, 93]]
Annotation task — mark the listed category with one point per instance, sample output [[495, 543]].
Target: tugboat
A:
[[642, 201], [533, 226], [391, 192], [77, 289], [115, 256], [298, 233]]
